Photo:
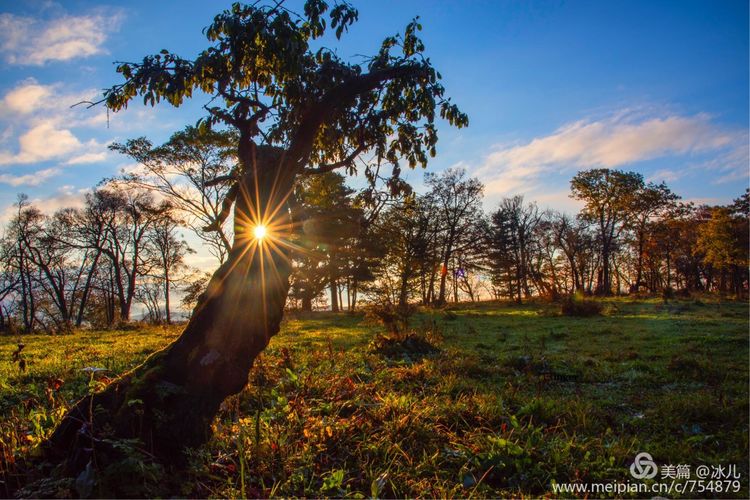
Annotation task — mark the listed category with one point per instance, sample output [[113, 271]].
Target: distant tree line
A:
[[630, 237], [90, 264], [93, 264]]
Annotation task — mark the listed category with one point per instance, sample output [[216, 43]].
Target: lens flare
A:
[[259, 232]]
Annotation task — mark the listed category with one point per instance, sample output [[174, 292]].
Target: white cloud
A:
[[557, 200], [87, 158], [42, 115], [29, 41], [44, 141], [27, 97], [616, 141], [33, 179], [66, 197], [665, 175]]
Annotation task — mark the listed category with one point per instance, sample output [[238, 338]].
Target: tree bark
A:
[[170, 400], [167, 314], [334, 295]]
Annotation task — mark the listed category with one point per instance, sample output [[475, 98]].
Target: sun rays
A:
[[263, 244], [259, 232]]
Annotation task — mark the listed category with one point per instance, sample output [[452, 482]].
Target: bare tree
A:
[[458, 203], [184, 170], [168, 250]]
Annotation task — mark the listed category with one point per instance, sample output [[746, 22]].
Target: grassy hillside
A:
[[515, 398]]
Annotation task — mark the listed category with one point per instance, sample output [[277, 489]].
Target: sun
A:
[[259, 232]]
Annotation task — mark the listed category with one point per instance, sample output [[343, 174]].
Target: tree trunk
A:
[[606, 285], [87, 289], [334, 296], [170, 400], [403, 295], [443, 277], [639, 271], [167, 314], [454, 278], [431, 288]]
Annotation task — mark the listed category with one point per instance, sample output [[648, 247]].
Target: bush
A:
[[395, 318], [580, 307], [410, 348]]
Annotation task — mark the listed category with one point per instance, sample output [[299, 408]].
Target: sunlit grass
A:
[[519, 391]]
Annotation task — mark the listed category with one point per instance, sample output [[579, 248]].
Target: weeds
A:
[[580, 307], [545, 399]]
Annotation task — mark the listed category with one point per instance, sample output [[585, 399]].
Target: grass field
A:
[[517, 398]]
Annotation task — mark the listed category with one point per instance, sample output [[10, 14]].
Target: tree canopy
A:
[[262, 77]]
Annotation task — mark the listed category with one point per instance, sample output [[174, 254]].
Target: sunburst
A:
[[259, 232], [264, 237]]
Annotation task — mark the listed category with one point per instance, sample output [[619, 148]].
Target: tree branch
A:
[[321, 169], [315, 116]]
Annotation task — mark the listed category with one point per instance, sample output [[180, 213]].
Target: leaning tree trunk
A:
[[170, 400]]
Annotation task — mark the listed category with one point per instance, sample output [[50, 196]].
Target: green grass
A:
[[519, 397]]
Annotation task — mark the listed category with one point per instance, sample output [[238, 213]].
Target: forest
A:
[[126, 247]]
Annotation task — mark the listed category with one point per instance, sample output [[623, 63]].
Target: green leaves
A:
[[343, 16], [412, 44], [265, 81], [333, 481]]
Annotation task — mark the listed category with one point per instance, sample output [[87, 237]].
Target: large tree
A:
[[297, 111], [723, 242], [650, 201], [512, 240], [331, 225], [457, 201], [166, 250], [608, 197]]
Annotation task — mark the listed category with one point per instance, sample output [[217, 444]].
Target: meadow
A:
[[485, 400]]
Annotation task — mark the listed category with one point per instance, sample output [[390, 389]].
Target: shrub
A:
[[580, 307], [395, 318], [409, 348]]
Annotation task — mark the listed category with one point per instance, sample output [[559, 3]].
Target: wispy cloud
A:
[[33, 179], [65, 197], [664, 175], [32, 42], [616, 141], [39, 126], [87, 158]]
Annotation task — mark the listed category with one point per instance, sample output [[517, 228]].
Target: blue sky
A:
[[552, 87]]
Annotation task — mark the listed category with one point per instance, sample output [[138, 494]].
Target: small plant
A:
[[18, 358], [580, 307], [401, 343], [409, 348], [430, 329], [395, 318]]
